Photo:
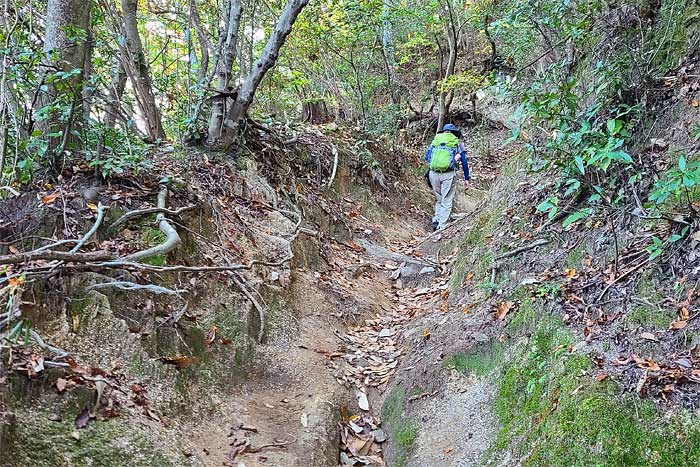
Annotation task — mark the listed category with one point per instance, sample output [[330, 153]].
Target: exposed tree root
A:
[[100, 216], [172, 237], [123, 285], [143, 212]]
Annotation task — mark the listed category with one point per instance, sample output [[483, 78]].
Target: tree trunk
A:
[[453, 33], [315, 111], [388, 49], [446, 97], [66, 53], [114, 92], [204, 42], [226, 50], [266, 61], [140, 73]]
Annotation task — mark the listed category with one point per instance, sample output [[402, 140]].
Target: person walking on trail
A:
[[442, 157]]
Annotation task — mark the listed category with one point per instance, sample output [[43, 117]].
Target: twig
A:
[[142, 212], [60, 353], [123, 285], [284, 444], [618, 279], [535, 244], [335, 165], [10, 189], [100, 216]]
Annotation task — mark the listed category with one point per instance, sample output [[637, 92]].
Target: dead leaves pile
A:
[[371, 353], [361, 438]]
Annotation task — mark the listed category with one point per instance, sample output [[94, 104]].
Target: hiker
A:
[[442, 157]]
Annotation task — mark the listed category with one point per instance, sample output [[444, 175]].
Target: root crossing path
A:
[[333, 354]]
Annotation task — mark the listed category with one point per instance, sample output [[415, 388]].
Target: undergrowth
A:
[[554, 413]]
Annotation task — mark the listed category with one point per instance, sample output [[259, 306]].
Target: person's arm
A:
[[465, 165], [428, 154]]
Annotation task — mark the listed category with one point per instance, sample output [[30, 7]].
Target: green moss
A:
[[39, 442], [481, 360], [406, 435], [553, 413], [656, 318], [403, 431], [574, 259], [526, 316]]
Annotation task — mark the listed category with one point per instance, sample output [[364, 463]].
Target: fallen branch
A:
[[123, 285], [100, 216], [172, 237], [10, 189], [517, 251], [56, 255], [60, 353], [143, 212]]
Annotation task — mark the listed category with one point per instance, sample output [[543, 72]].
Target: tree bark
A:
[[452, 42], [140, 72], [65, 50], [226, 50], [266, 61], [204, 42], [115, 92]]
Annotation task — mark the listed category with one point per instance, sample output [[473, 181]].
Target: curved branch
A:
[[100, 216], [142, 212], [172, 238]]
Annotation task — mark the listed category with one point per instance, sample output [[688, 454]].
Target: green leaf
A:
[[656, 253], [579, 164], [577, 216], [682, 163]]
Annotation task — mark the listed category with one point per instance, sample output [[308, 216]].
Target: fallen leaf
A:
[[305, 420], [601, 377], [447, 450], [425, 333], [503, 310], [211, 335], [679, 324], [180, 361], [648, 336], [570, 273], [48, 199], [362, 401], [61, 384], [694, 103], [685, 315]]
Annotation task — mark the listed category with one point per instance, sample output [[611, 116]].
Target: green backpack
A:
[[444, 149]]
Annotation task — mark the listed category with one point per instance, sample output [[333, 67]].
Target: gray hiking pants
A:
[[444, 187]]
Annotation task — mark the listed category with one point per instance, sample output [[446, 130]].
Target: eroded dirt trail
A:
[[315, 400]]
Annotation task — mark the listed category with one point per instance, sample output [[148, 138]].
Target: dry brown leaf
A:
[[61, 384], [48, 199], [685, 315], [648, 336], [601, 377], [503, 310], [211, 335], [694, 103], [180, 361], [678, 324]]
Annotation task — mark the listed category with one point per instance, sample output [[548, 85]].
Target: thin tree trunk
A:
[[140, 72], [64, 53], [226, 48], [204, 42], [453, 33], [266, 61], [388, 49], [115, 92]]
